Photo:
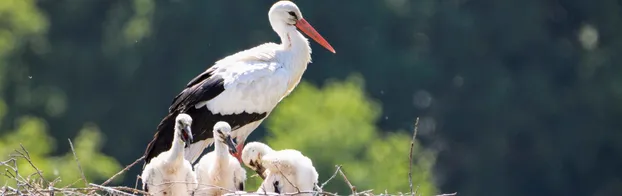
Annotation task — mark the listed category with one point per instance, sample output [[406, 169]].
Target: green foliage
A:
[[526, 96], [32, 134], [335, 126], [385, 166], [20, 20], [21, 23]]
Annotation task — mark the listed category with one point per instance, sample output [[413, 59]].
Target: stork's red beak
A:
[[306, 28], [237, 152]]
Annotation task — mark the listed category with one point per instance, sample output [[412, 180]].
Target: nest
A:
[[36, 184]]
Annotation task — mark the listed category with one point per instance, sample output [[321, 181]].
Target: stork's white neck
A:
[[297, 52], [221, 148], [295, 57], [177, 148]]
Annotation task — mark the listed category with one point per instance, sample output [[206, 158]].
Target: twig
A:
[[410, 158], [200, 187], [333, 176], [136, 183], [7, 161], [27, 157], [123, 188], [110, 190], [448, 194], [353, 188], [16, 173], [78, 162], [367, 192], [416, 190], [123, 170], [270, 193], [73, 183]]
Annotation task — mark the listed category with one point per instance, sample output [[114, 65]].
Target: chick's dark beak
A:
[[230, 144], [187, 134], [261, 171]]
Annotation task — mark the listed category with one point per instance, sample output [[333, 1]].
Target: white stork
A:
[[219, 169], [283, 171], [242, 89], [169, 173]]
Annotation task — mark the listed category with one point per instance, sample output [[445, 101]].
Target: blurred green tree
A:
[[22, 28], [335, 125], [32, 134]]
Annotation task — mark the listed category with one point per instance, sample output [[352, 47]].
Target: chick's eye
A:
[[292, 14]]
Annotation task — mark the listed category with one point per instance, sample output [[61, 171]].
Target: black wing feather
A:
[[204, 87]]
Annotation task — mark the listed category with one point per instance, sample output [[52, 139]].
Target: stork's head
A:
[[222, 134], [182, 127], [252, 153], [285, 12], [285, 17]]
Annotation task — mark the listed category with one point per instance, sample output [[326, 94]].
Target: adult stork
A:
[[242, 89]]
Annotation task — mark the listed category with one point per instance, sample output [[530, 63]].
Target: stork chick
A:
[[283, 171], [169, 173], [219, 169]]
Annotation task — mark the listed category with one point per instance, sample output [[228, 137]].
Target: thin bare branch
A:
[[240, 193], [110, 190], [16, 173], [333, 176], [136, 183], [128, 189], [352, 187], [124, 170], [26, 156], [78, 162], [410, 158]]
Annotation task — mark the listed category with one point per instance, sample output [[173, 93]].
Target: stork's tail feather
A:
[[163, 138]]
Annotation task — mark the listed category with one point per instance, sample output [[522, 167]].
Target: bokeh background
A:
[[514, 97]]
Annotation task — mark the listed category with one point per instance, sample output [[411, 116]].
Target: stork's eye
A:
[[292, 14]]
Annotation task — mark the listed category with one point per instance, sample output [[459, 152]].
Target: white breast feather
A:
[[164, 178], [211, 174]]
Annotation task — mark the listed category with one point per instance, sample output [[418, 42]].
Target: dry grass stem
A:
[[410, 158], [86, 183], [331, 177], [123, 170], [352, 187]]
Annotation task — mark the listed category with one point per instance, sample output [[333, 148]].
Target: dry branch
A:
[[86, 183], [26, 185], [410, 158], [331, 177], [352, 187], [123, 170]]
